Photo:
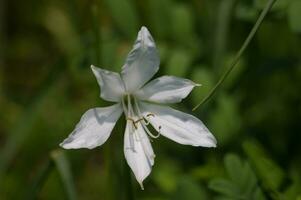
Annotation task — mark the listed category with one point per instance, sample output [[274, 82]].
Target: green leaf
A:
[[40, 179], [294, 15], [233, 167], [242, 182], [240, 173], [225, 187], [267, 170], [62, 165]]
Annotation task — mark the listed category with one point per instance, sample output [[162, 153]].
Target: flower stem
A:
[[40, 180], [260, 19]]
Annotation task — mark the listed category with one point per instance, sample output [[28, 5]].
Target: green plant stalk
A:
[[246, 43], [62, 165], [40, 179]]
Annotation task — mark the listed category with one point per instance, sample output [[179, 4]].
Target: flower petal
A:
[[111, 85], [142, 62], [178, 126], [166, 89], [138, 151], [94, 128]]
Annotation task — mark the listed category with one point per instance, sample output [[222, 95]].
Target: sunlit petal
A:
[[166, 89], [178, 126], [94, 128], [138, 151], [111, 85], [142, 62]]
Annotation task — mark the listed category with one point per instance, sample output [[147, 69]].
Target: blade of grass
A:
[[62, 165], [239, 53], [40, 179]]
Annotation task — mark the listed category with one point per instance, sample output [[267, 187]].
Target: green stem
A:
[[40, 180], [239, 53]]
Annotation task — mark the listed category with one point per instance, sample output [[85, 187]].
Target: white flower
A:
[[135, 97]]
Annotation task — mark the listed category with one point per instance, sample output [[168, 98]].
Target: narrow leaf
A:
[[224, 187], [40, 179], [62, 165]]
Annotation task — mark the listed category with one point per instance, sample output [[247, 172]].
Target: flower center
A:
[[134, 115]]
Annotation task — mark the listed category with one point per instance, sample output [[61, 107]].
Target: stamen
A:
[[133, 121], [145, 121], [124, 107], [150, 114], [138, 120], [149, 133], [131, 138]]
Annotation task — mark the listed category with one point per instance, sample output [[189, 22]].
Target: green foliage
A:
[[271, 175], [63, 167], [241, 182]]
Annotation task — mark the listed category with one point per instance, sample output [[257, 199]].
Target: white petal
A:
[[142, 62], [138, 151], [94, 128], [111, 85], [166, 89], [178, 126]]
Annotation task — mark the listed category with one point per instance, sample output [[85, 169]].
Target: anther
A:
[[133, 121], [150, 114], [138, 120]]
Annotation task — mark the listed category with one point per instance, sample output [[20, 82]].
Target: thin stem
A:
[[239, 53], [40, 180]]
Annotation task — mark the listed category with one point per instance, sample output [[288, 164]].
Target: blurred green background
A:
[[47, 47]]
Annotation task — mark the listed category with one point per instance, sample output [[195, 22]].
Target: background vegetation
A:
[[47, 47]]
